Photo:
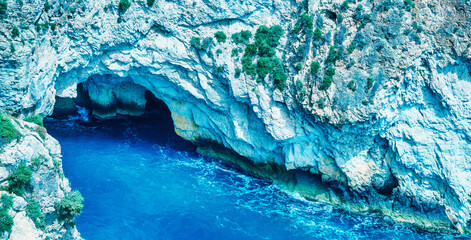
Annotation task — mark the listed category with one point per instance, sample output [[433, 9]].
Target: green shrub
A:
[[326, 83], [7, 201], [359, 7], [196, 42], [270, 36], [218, 52], [248, 66], [53, 26], [238, 71], [261, 34], [408, 5], [12, 48], [6, 221], [250, 50], [264, 67], [352, 86], [123, 6], [301, 48], [220, 36], [15, 32], [299, 84], [119, 20], [207, 42], [219, 69], [279, 74], [150, 3], [36, 119], [364, 102], [7, 130], [330, 71], [47, 6], [274, 35], [241, 37], [265, 50], [298, 67], [416, 39], [304, 23], [334, 54], [70, 205], [3, 7], [344, 5], [317, 34], [369, 83], [362, 44], [234, 52], [315, 66], [20, 179], [33, 211]]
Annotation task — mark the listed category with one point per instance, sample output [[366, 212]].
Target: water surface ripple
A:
[[141, 181]]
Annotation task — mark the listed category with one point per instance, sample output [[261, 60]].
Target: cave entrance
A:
[[118, 105], [110, 95]]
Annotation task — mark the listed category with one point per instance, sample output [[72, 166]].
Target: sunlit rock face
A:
[[391, 133], [39, 152]]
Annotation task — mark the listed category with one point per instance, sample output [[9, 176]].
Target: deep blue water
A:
[[141, 181]]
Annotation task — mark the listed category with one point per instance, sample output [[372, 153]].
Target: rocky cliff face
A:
[[32, 184], [362, 104]]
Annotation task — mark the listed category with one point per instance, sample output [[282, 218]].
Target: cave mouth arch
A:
[[109, 95], [113, 102]]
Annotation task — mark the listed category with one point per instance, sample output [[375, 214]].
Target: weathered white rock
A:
[[23, 228], [404, 144], [19, 204]]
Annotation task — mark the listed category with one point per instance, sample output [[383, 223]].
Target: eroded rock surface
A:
[[391, 133]]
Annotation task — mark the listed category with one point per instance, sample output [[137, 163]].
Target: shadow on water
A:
[[141, 181]]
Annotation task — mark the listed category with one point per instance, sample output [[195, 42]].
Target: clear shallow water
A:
[[141, 181]]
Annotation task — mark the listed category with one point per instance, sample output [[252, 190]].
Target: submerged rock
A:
[[382, 124]]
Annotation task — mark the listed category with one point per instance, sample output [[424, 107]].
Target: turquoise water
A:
[[141, 181]]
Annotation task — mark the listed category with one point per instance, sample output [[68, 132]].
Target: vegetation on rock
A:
[[220, 36], [369, 83], [315, 66], [7, 130], [3, 7], [15, 32], [304, 23], [241, 37], [7, 201], [33, 211], [317, 34], [6, 221], [70, 205], [36, 119], [124, 5], [266, 39], [20, 179], [352, 86], [150, 3]]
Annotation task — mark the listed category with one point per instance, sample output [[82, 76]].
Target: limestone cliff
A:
[[364, 104], [32, 184]]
